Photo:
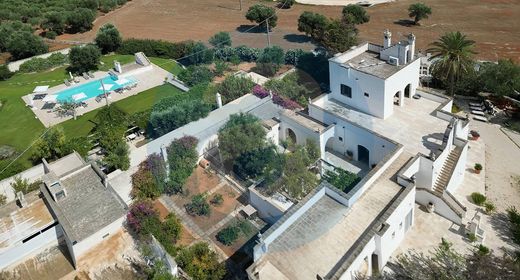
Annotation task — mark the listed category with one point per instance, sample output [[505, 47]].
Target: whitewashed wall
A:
[[83, 246]]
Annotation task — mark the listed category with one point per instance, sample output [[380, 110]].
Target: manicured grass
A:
[[166, 64], [19, 127], [108, 60], [133, 104]]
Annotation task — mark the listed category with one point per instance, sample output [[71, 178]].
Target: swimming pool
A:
[[93, 89]]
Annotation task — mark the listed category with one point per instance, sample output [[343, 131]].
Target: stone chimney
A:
[[388, 39], [411, 43], [219, 100]]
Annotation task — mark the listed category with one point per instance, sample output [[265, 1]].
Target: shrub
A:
[[478, 166], [196, 74], [198, 205], [144, 185], [5, 73], [200, 262], [51, 35], [260, 91], [490, 207], [220, 68], [220, 40], [228, 235], [25, 44], [156, 48], [355, 14], [247, 54], [270, 60], [199, 54], [41, 64], [253, 164], [286, 4], [142, 216], [182, 159], [482, 250], [478, 198], [234, 87], [292, 56], [514, 219], [262, 14], [341, 179], [217, 199], [241, 134], [23, 185], [178, 115], [472, 237], [290, 87], [3, 199]]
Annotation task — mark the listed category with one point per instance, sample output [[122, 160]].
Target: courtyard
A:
[[222, 215]]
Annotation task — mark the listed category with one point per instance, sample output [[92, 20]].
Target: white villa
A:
[[405, 144]]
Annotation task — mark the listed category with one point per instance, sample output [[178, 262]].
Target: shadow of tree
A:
[[429, 141], [501, 225], [405, 22], [250, 28], [297, 38]]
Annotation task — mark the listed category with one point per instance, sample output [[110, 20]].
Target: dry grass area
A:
[[492, 23]]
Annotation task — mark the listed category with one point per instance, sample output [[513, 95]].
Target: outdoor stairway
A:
[[447, 170]]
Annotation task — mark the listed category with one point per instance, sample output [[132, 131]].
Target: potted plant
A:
[[430, 207], [478, 168], [474, 135]]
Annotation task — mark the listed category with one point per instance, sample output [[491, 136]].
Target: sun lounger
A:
[[480, 118], [66, 82], [478, 113], [481, 108], [98, 98], [85, 76], [90, 74], [476, 104]]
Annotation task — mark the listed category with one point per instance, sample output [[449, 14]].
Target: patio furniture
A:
[[66, 82], [98, 98], [478, 113], [480, 118], [84, 104], [39, 96], [48, 106], [479, 104], [416, 96], [131, 137], [90, 74], [85, 76]]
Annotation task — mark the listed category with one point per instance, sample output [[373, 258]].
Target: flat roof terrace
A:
[[370, 63], [317, 240], [18, 223], [413, 125], [88, 206]]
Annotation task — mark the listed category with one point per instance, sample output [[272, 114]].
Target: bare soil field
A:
[[492, 23]]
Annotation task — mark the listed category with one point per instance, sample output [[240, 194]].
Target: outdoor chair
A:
[[85, 76], [90, 74], [67, 83]]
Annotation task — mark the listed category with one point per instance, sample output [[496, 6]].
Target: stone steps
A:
[[446, 172]]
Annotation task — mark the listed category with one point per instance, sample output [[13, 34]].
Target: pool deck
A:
[[146, 80]]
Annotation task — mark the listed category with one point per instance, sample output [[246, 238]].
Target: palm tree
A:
[[452, 57]]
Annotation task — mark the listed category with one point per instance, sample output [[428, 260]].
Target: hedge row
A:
[[38, 64]]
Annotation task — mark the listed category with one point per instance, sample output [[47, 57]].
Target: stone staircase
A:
[[447, 170]]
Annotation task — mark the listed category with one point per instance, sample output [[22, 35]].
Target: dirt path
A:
[[492, 23], [502, 165]]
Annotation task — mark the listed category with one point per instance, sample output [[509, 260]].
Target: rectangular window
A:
[[366, 94], [341, 139], [346, 91]]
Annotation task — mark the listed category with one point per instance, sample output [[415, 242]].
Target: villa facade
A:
[[405, 145]]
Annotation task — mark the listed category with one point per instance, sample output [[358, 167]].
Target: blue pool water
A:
[[93, 89]]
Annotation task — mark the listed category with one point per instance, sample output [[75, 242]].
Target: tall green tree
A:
[[241, 134], [313, 24], [84, 59], [80, 20], [51, 145], [262, 14], [54, 21], [182, 159], [234, 87], [355, 14], [452, 57], [108, 38], [297, 180], [25, 44], [419, 11], [502, 78], [340, 36]]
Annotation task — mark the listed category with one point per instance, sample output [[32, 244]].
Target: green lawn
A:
[[19, 127], [108, 60], [133, 104], [166, 64]]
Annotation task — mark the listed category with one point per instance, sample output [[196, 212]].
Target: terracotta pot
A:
[[477, 171]]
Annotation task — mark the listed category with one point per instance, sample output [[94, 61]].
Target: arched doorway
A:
[[397, 98], [291, 136], [407, 90], [363, 155]]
